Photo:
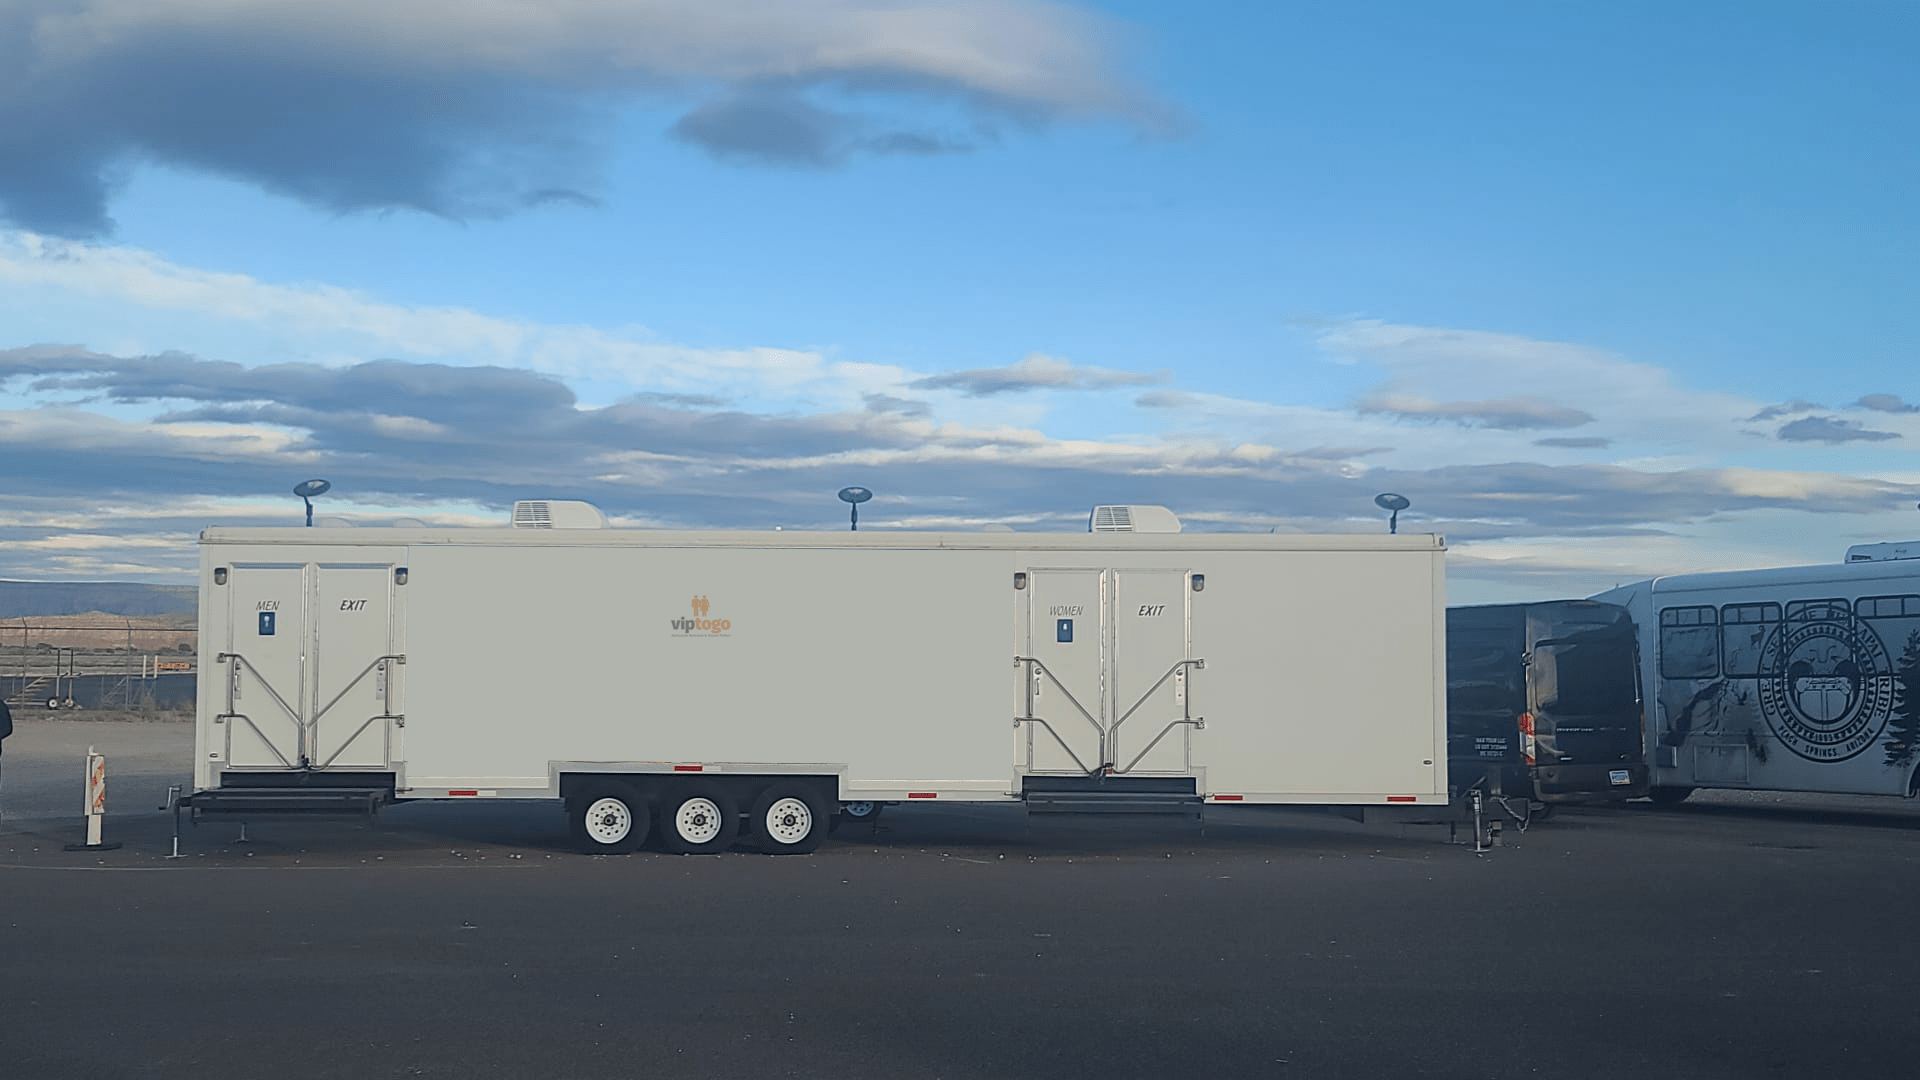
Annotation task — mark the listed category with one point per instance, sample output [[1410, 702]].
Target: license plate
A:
[[1619, 778]]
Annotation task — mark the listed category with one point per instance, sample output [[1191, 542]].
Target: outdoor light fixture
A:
[[1387, 500], [307, 489], [853, 497]]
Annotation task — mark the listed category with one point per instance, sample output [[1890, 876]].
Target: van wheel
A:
[[697, 819], [607, 818], [789, 819], [1669, 796]]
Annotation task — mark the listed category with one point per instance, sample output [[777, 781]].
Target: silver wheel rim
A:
[[697, 821], [788, 820], [859, 809], [609, 820]]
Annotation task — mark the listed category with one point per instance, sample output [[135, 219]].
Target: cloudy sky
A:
[[1608, 289]]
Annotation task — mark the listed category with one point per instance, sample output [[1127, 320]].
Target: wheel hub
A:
[[789, 821], [698, 821], [609, 821]]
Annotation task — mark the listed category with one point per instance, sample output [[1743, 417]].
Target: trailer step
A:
[[257, 801], [1113, 802]]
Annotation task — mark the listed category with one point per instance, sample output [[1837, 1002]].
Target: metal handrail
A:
[[356, 734], [1018, 720], [225, 716], [1186, 712], [377, 661], [1171, 724], [1157, 684], [1107, 733], [1041, 664], [386, 708], [299, 726], [307, 728]]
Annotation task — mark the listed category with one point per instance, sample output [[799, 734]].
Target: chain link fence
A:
[[143, 665]]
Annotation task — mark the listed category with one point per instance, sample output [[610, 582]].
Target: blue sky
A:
[[1607, 289]]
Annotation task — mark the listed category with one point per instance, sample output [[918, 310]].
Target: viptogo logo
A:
[[700, 623]]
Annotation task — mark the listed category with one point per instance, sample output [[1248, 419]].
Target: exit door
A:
[[311, 664], [1152, 631]]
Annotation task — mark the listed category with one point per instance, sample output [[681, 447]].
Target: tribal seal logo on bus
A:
[[1826, 687], [700, 622]]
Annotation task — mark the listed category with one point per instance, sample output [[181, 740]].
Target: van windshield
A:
[[1585, 679]]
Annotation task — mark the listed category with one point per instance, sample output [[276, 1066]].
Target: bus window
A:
[[1689, 643], [1744, 630]]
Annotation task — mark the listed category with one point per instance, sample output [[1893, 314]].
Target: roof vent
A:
[[557, 514], [1140, 519], [1905, 549]]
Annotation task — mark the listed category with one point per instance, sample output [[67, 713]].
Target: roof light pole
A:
[[307, 489], [1387, 500], [853, 497]]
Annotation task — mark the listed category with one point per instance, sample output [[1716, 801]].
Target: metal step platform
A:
[[261, 801], [1171, 795]]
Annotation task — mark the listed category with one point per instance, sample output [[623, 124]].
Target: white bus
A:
[[1800, 678]]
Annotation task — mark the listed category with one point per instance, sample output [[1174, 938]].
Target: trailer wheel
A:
[[697, 818], [53, 703], [1669, 796], [860, 811], [789, 819], [608, 818]]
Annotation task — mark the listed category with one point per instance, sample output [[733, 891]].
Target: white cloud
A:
[[729, 436], [474, 108], [349, 324]]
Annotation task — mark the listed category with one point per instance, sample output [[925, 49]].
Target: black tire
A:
[[696, 818], [607, 817], [53, 703], [790, 818], [1669, 796]]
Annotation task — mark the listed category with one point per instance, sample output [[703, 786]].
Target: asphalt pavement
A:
[[1746, 936]]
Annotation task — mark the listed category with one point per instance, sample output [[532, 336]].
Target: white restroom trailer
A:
[[1799, 678], [699, 688]]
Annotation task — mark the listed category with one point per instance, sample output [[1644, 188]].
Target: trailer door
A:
[[1065, 672], [262, 662], [352, 667], [1152, 636]]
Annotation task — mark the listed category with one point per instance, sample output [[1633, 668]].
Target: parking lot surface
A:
[[1745, 935]]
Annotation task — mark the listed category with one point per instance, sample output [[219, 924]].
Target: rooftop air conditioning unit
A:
[[557, 514], [1135, 519], [1905, 549]]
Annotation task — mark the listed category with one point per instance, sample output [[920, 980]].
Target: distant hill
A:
[[19, 598]]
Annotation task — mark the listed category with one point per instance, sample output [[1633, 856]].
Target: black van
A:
[[1543, 701]]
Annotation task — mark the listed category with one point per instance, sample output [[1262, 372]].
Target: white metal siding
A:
[[888, 659]]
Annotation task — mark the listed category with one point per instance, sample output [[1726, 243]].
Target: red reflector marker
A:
[[923, 794], [1228, 798], [463, 793], [1399, 798], [689, 768]]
